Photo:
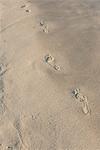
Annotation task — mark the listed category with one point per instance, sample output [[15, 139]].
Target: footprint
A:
[[44, 26], [49, 59], [56, 67], [3, 69], [26, 7], [83, 99]]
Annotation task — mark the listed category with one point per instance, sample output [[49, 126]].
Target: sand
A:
[[48, 49]]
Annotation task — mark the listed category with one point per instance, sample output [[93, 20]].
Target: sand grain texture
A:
[[37, 108]]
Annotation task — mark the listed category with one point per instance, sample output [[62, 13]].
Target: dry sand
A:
[[38, 110]]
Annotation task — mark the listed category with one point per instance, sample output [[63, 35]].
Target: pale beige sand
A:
[[40, 111]]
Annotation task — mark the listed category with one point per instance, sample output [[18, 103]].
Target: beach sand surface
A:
[[38, 110]]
